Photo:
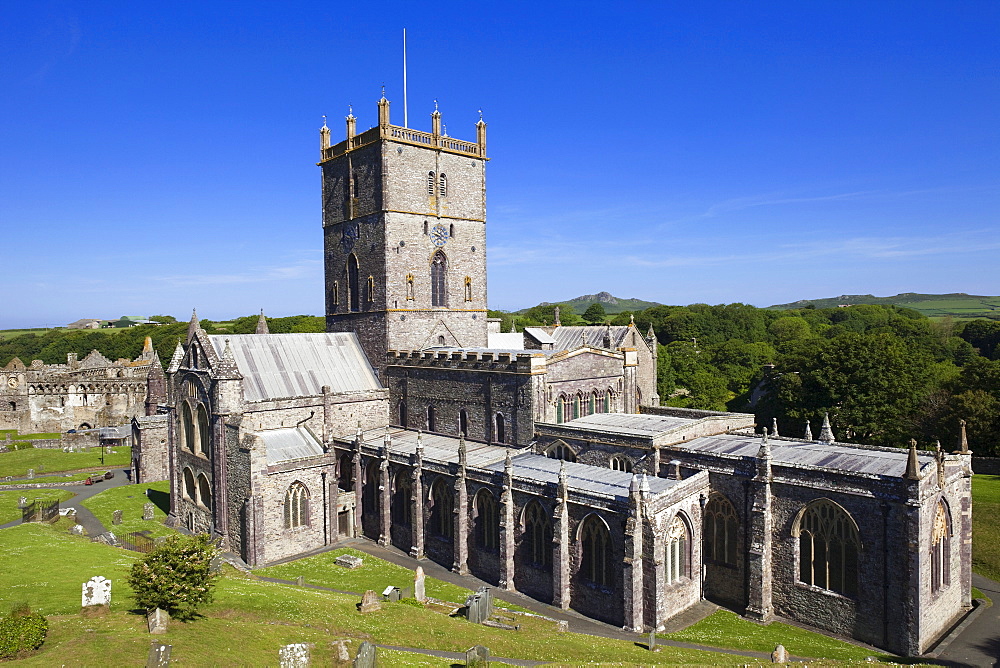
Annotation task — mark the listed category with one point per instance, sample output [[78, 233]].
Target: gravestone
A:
[[148, 511], [300, 581], [419, 591], [295, 655], [477, 656], [407, 592], [22, 502], [779, 655], [391, 594], [652, 640], [77, 530], [158, 620], [479, 606], [31, 474], [562, 626], [159, 655], [348, 561], [116, 517], [366, 657], [369, 602], [96, 593], [342, 653]]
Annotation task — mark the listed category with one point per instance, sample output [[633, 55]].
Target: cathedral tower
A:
[[404, 236]]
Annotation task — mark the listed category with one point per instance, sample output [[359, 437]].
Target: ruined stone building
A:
[[81, 394], [536, 460]]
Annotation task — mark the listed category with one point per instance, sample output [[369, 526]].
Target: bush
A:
[[21, 631], [176, 577]]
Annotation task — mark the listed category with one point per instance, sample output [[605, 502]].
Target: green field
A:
[[130, 499], [9, 512], [52, 460], [959, 305], [986, 525]]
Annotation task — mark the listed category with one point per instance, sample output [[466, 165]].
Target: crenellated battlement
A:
[[486, 360]]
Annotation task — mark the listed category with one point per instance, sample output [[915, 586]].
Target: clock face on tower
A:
[[439, 235], [12, 382]]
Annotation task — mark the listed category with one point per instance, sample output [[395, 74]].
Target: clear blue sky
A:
[[160, 156]]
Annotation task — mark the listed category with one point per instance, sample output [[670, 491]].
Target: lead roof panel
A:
[[282, 445]]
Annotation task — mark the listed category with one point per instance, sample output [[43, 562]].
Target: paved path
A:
[[979, 643], [82, 492]]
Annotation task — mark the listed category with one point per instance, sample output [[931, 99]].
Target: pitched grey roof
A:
[[290, 443], [630, 424], [539, 334], [568, 338], [437, 447], [839, 456], [596, 480], [278, 366]]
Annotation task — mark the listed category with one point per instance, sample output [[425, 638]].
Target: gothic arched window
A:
[[443, 185], [439, 279], [431, 419], [828, 547], [941, 549], [187, 427], [560, 450], [369, 494], [401, 413], [353, 289], [204, 436], [371, 289], [190, 491], [463, 423], [402, 511], [576, 406], [296, 506], [620, 463], [468, 288], [345, 481], [442, 509], [430, 183], [204, 491], [501, 428], [676, 558], [487, 521], [720, 531], [560, 409], [595, 545], [538, 534]]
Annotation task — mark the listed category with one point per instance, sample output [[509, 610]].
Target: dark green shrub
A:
[[176, 577], [21, 631]]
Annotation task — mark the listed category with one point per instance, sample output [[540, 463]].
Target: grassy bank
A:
[[53, 460], [986, 525], [130, 499]]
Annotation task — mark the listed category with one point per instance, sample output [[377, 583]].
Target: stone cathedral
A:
[[538, 461]]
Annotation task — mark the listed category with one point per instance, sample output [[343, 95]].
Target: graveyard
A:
[[252, 618]]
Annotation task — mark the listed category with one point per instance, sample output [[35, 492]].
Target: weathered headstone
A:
[[652, 640], [477, 656], [96, 594], [300, 581], [295, 655], [419, 590], [779, 655], [148, 511], [342, 652], [158, 620], [562, 626], [31, 474], [159, 655], [479, 606], [116, 517], [391, 594], [22, 502], [366, 657], [348, 561], [369, 602], [407, 592], [78, 530]]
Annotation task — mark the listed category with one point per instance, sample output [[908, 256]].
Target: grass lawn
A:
[[250, 619], [51, 460], [130, 500], [36, 437], [986, 525], [9, 512], [62, 477], [727, 629], [374, 574]]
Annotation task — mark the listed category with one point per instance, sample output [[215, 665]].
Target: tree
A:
[[595, 314], [176, 577]]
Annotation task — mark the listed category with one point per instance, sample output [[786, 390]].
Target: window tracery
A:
[[296, 506], [720, 531], [828, 547], [676, 558]]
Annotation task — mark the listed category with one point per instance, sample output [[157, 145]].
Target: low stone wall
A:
[[987, 465]]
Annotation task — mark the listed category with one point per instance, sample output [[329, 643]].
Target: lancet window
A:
[[296, 506]]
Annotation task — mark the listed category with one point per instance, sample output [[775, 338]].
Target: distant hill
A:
[[611, 304], [956, 304]]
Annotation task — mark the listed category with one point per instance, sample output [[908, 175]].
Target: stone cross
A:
[[96, 591], [116, 517], [159, 655], [295, 655], [369, 602], [158, 620], [366, 656], [477, 656], [419, 591], [779, 655], [148, 510]]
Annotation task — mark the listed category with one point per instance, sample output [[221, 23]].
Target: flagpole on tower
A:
[[406, 118]]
